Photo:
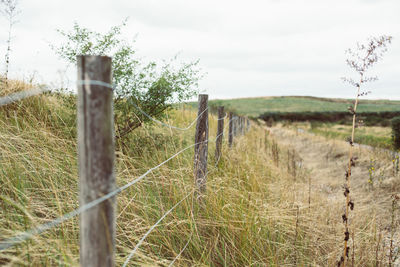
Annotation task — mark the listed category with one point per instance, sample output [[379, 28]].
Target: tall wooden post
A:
[[96, 161], [230, 132], [201, 147], [220, 133]]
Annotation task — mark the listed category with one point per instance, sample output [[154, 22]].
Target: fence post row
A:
[[96, 154], [201, 145], [220, 133], [96, 161]]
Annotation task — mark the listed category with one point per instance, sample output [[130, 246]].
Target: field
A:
[[374, 136], [376, 132], [257, 106]]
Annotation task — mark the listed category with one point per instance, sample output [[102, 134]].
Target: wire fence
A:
[[8, 243], [47, 226], [5, 100], [22, 237]]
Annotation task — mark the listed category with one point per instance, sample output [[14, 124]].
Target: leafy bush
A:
[[152, 87]]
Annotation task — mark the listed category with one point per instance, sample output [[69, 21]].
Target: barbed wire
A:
[[14, 97]]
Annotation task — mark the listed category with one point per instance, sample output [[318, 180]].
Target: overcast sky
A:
[[248, 48]]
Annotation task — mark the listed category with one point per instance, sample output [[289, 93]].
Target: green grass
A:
[[254, 107], [374, 136]]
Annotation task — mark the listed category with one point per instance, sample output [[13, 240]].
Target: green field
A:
[[254, 107], [375, 136]]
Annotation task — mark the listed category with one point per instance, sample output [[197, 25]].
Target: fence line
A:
[[10, 242], [169, 211], [202, 128]]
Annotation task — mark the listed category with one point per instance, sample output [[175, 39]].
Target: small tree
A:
[[396, 133], [152, 87], [9, 10], [361, 59]]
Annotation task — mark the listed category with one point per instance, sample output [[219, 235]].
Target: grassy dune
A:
[[252, 214]]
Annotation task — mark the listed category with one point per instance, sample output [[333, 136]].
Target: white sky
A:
[[248, 48]]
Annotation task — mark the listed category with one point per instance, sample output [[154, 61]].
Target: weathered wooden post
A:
[[230, 131], [242, 125], [220, 133], [201, 145], [235, 125], [247, 124], [96, 160], [238, 126]]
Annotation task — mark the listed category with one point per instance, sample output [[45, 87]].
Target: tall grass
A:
[[254, 213], [238, 225]]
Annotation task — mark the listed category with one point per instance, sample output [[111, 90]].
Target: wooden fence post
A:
[[201, 147], [242, 125], [238, 126], [220, 133], [235, 125], [96, 161], [230, 132]]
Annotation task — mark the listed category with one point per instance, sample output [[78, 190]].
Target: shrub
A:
[[150, 86]]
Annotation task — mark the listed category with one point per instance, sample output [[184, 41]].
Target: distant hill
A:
[[257, 106]]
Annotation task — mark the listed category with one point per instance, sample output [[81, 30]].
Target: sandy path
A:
[[325, 161]]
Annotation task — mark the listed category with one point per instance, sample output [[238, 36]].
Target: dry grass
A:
[[254, 212], [326, 162], [13, 87]]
